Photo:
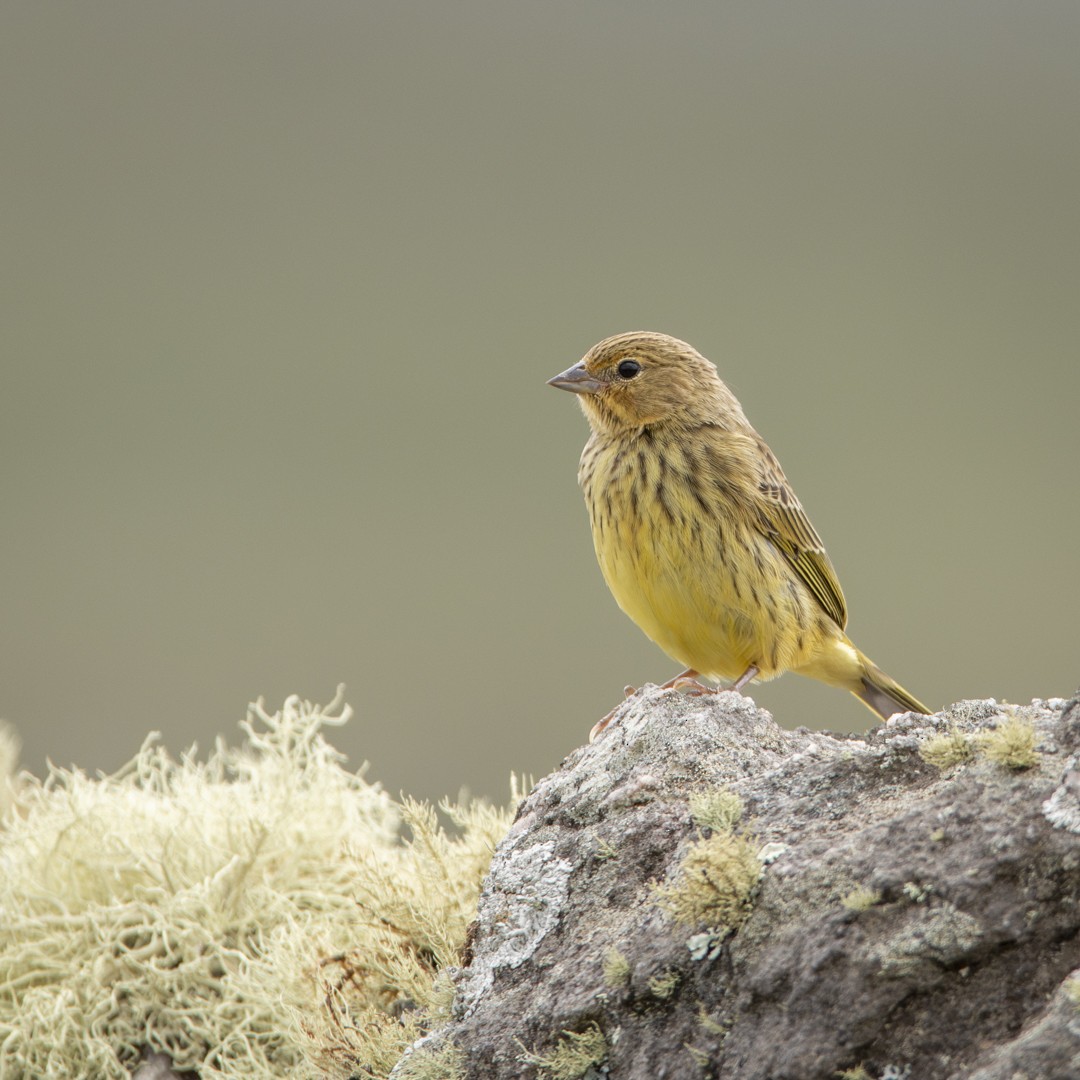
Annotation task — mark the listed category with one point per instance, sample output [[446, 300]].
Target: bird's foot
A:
[[628, 691], [602, 723], [684, 678], [692, 688], [688, 681]]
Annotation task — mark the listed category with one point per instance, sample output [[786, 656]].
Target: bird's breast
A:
[[668, 540]]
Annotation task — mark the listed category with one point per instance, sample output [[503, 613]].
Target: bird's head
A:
[[639, 379]]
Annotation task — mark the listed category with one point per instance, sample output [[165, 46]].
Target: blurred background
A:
[[283, 283]]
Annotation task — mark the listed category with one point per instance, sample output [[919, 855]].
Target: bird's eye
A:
[[627, 369]]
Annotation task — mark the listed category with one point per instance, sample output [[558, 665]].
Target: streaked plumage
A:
[[698, 534]]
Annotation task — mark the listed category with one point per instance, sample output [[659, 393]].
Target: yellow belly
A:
[[711, 591], [691, 619]]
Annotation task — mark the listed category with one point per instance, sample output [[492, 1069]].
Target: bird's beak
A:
[[577, 380]]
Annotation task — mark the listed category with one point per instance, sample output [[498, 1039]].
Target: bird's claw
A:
[[600, 724], [692, 687]]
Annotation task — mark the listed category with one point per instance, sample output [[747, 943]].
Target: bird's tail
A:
[[882, 694]]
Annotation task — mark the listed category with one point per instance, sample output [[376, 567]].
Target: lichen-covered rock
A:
[[906, 919]]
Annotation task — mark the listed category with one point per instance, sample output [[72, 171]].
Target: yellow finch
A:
[[698, 533]]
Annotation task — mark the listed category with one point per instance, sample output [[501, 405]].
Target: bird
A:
[[699, 535]]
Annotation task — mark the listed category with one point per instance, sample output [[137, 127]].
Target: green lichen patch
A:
[[574, 1054], [1011, 744], [663, 986], [916, 892], [707, 1023], [605, 849], [717, 809], [699, 1057], [947, 750], [861, 898], [714, 883], [616, 968]]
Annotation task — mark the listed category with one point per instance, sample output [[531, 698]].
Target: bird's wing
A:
[[784, 522]]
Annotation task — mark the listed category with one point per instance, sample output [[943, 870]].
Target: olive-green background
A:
[[283, 283]]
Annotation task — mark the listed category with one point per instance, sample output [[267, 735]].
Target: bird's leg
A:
[[683, 678], [688, 681], [744, 678]]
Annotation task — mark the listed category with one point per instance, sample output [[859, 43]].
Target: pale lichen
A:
[[527, 890], [1011, 744], [718, 809], [662, 986], [932, 938], [605, 849], [700, 1057], [447, 1062], [1062, 809], [916, 892], [713, 1027], [616, 968], [265, 912], [573, 1055], [9, 760], [714, 883], [947, 750], [861, 898]]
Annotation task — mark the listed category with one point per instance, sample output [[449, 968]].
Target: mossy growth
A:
[[663, 986], [700, 1057], [861, 898], [947, 750], [857, 1073], [703, 1058], [445, 1063], [616, 969], [605, 849], [1071, 986], [714, 882], [263, 913], [574, 1054], [917, 893], [1011, 744], [713, 1027], [717, 809]]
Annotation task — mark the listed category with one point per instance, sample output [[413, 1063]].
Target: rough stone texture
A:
[[159, 1067], [960, 970]]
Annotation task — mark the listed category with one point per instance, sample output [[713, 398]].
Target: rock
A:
[[158, 1067], [902, 918]]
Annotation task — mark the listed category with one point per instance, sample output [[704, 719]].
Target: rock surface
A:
[[911, 920]]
